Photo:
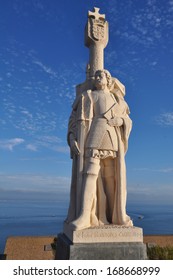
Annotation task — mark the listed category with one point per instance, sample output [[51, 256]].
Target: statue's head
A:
[[103, 78]]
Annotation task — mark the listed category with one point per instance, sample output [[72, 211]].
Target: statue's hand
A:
[[74, 147], [116, 121]]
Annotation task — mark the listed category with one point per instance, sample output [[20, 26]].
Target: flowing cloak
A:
[[79, 126]]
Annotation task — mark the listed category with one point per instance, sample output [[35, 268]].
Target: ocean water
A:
[[154, 219], [35, 217]]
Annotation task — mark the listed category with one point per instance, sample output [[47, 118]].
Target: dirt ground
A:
[[39, 248], [160, 240]]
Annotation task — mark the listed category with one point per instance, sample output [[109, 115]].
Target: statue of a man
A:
[[98, 133]]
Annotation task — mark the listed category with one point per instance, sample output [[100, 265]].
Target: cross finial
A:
[[96, 14]]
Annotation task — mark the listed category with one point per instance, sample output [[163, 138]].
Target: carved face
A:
[[100, 80]]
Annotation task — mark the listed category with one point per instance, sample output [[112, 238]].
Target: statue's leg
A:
[[89, 186], [109, 183], [120, 216], [101, 198], [71, 210]]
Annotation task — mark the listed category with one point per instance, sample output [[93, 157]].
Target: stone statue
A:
[[97, 226], [98, 132]]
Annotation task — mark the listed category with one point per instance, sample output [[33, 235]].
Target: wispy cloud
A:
[[26, 113], [166, 170], [10, 143], [49, 139], [32, 122], [40, 9], [47, 159], [150, 193], [2, 122], [160, 170], [33, 182], [30, 103], [165, 119], [45, 68], [144, 28], [31, 147], [62, 149], [50, 142], [147, 23]]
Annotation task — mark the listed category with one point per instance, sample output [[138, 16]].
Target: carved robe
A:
[[80, 123]]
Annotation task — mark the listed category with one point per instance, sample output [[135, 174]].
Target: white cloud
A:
[[161, 170], [39, 105], [50, 142], [33, 182], [62, 149], [147, 23], [45, 68], [165, 119], [45, 158], [150, 193], [25, 112], [38, 5], [37, 121], [166, 170], [2, 122], [10, 143], [154, 63], [50, 139], [171, 5], [31, 147], [8, 74]]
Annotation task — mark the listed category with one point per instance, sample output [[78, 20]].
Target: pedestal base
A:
[[104, 234], [66, 250]]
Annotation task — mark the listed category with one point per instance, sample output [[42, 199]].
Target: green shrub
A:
[[160, 253], [53, 245]]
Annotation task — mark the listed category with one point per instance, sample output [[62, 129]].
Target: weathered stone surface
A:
[[99, 251], [106, 233], [98, 133], [96, 39]]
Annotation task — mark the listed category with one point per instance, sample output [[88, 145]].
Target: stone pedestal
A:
[[101, 243], [104, 234]]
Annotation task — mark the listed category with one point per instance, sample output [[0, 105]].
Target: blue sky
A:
[[43, 57]]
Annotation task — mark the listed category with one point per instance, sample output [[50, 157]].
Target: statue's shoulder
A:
[[94, 95], [85, 96], [80, 97], [117, 85], [76, 102], [91, 95]]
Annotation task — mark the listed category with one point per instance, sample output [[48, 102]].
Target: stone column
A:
[[96, 39]]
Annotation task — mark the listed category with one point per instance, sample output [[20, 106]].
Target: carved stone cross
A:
[[96, 14], [96, 39]]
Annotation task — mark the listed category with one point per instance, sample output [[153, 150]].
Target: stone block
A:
[[66, 250], [106, 233]]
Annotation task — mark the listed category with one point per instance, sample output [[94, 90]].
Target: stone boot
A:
[[84, 220]]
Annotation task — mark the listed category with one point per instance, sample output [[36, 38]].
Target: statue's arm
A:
[[121, 116], [73, 145], [116, 121], [72, 132]]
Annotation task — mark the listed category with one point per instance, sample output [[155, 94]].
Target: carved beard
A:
[[100, 85]]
